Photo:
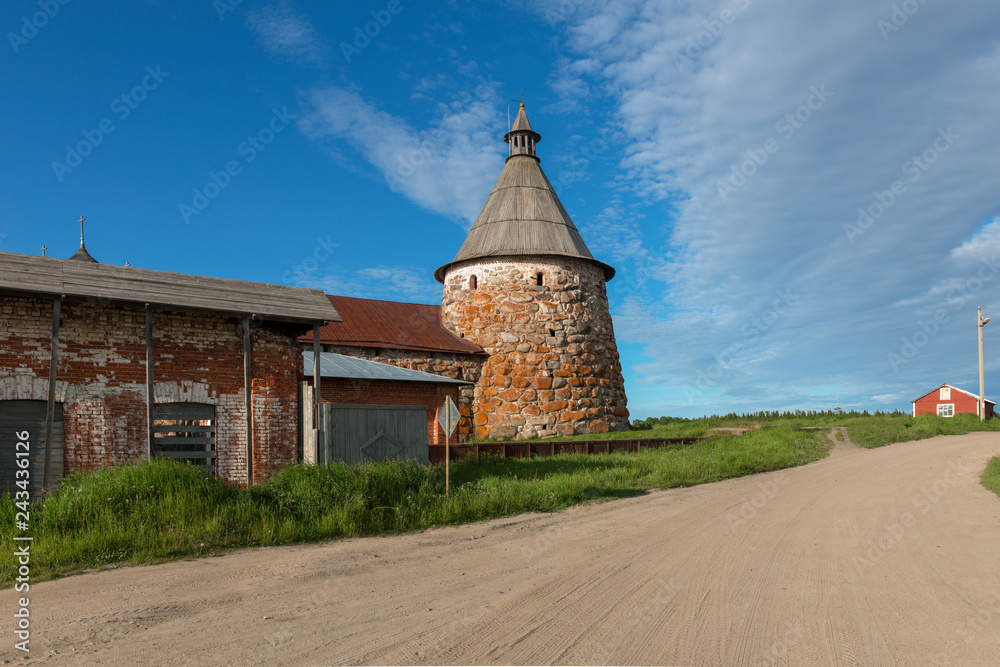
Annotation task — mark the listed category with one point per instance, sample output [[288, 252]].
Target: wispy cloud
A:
[[687, 128], [984, 243], [284, 33], [394, 283], [447, 167]]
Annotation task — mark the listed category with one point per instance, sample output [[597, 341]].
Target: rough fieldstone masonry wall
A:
[[454, 365], [553, 367], [102, 379]]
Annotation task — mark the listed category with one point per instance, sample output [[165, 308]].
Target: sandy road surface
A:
[[882, 557]]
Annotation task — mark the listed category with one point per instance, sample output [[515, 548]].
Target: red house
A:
[[948, 401]]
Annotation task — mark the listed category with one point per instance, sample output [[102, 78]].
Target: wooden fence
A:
[[524, 450]]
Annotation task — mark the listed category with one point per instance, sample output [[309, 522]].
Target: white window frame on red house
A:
[[950, 409], [945, 394]]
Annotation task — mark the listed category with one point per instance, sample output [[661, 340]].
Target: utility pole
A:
[[982, 384]]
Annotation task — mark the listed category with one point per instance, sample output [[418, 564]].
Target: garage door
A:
[[19, 416], [362, 433]]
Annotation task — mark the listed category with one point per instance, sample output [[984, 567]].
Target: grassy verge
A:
[[678, 427], [991, 476], [889, 429], [162, 510], [865, 430]]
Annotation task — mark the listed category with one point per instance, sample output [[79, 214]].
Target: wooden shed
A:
[[948, 401]]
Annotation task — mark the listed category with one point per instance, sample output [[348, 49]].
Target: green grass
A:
[[162, 510], [680, 427], [864, 429], [890, 429], [991, 476]]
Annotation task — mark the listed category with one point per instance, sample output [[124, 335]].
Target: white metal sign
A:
[[448, 417]]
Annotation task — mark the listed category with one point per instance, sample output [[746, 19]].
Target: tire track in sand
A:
[[867, 557]]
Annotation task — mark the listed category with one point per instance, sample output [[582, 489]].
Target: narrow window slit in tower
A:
[[538, 279], [472, 282]]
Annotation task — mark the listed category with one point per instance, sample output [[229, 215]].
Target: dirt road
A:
[[881, 557]]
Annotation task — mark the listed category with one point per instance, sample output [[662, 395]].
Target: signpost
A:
[[448, 417]]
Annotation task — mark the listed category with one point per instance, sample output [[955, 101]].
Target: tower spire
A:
[[522, 138], [82, 255], [523, 214]]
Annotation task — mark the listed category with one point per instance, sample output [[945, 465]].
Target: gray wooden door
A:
[[362, 433], [185, 431], [17, 417]]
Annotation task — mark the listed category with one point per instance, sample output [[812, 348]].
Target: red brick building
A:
[[350, 383], [408, 336], [149, 362], [948, 401]]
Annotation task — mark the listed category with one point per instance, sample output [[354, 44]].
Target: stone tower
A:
[[525, 287]]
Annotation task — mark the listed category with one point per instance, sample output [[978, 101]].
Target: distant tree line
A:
[[651, 422]]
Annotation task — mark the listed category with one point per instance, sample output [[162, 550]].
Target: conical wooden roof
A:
[[523, 214], [521, 123]]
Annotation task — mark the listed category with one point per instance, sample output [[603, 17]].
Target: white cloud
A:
[[284, 33], [963, 273], [984, 243], [846, 113], [447, 168], [394, 283]]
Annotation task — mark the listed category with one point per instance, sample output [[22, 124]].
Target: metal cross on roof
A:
[[44, 248], [82, 254]]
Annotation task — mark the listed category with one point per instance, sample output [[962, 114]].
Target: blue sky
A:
[[801, 198]]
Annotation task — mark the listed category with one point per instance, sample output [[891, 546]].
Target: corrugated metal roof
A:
[[523, 216], [339, 366], [49, 276], [390, 324]]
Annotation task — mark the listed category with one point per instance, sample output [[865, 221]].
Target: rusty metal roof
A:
[[390, 324]]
